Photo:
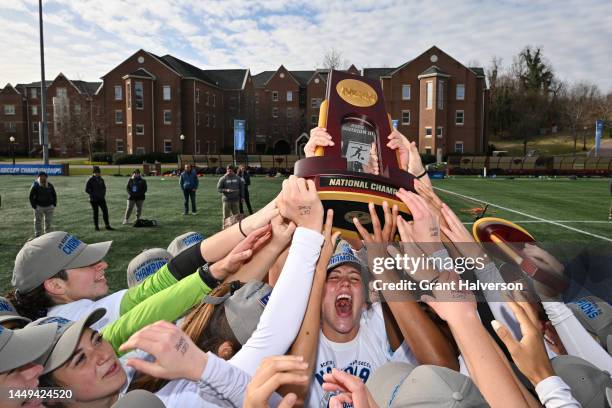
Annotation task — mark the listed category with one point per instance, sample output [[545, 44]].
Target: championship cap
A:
[[67, 336], [145, 264], [9, 313], [244, 307], [587, 382], [182, 242], [43, 257], [23, 346], [595, 315], [343, 254], [397, 385], [139, 399]]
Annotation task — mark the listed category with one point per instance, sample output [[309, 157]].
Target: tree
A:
[[579, 107], [333, 59], [535, 74]]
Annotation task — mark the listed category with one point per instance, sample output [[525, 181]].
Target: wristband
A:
[[207, 278], [240, 228], [421, 175]]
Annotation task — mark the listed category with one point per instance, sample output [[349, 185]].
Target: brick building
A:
[[147, 102]]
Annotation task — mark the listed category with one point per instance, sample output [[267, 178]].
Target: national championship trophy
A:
[[345, 174]]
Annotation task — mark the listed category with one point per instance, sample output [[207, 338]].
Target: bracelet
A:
[[421, 175], [207, 278], [240, 228]]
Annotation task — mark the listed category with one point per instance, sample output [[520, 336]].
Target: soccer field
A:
[[551, 209]]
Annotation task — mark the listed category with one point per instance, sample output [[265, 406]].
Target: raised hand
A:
[[372, 166], [452, 305], [425, 227], [350, 388], [380, 235], [270, 375], [240, 253], [300, 203], [318, 137], [282, 231]]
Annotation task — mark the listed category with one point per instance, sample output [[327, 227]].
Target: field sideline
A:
[[552, 209]]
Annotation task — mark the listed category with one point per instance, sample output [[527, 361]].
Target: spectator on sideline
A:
[[96, 189], [136, 188], [243, 172], [189, 184], [232, 189], [43, 200]]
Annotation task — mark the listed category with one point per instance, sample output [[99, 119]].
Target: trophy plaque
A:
[[359, 168]]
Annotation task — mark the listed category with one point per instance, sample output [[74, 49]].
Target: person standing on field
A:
[[136, 188], [43, 201], [189, 184], [232, 189], [96, 189], [243, 172]]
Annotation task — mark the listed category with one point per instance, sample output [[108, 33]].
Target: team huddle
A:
[[279, 310]]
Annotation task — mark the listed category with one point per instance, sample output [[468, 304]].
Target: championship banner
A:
[[34, 169], [599, 125], [239, 134]]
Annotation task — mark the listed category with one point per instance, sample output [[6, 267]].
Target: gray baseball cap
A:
[[343, 254], [397, 385], [145, 264], [43, 257], [244, 307], [139, 399], [184, 241], [595, 315], [587, 382], [67, 336], [8, 312], [23, 346]]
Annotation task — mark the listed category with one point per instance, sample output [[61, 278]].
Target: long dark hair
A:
[[35, 303]]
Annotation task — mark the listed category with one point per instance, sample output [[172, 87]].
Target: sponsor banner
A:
[[32, 169], [239, 134]]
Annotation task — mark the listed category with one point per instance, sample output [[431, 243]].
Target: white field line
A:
[[547, 221], [527, 215]]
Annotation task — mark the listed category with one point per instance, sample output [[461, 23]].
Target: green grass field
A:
[[581, 205]]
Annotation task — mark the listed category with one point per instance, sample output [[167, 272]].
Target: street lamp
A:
[[12, 144], [182, 137]]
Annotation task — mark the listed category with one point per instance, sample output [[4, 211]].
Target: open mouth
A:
[[344, 305], [114, 369]]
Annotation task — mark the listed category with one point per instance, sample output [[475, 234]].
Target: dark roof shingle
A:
[[260, 79], [376, 73]]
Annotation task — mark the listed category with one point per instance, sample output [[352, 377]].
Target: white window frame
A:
[[429, 95], [197, 96], [118, 92], [207, 98], [440, 101], [289, 96], [34, 110], [33, 93], [118, 111], [408, 88], [117, 143], [138, 84], [214, 96], [141, 127], [439, 132], [256, 98], [430, 132], [275, 112], [9, 110], [274, 96], [165, 146], [61, 92], [314, 120], [457, 94], [77, 109], [457, 144], [167, 122], [35, 127], [168, 96], [457, 117], [289, 112], [409, 117]]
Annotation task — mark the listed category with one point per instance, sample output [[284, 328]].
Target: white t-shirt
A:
[[360, 357], [80, 308]]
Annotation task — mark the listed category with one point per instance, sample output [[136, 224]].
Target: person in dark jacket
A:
[[189, 184], [136, 188], [96, 189], [246, 177], [232, 189], [43, 200]]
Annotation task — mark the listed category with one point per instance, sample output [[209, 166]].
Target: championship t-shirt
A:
[[360, 357], [79, 308]]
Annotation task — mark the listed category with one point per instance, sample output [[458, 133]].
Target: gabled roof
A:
[[186, 70], [229, 79], [432, 71], [87, 88], [140, 73], [302, 76], [377, 73], [262, 78], [478, 71], [321, 73], [9, 89]]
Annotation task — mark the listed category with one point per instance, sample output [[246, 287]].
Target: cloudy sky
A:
[[87, 38]]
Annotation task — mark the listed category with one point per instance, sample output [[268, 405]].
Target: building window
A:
[[197, 96], [256, 98], [119, 145], [198, 118], [207, 120], [275, 129], [315, 103], [139, 92], [167, 117], [33, 93], [428, 150], [460, 92], [61, 93], [439, 132], [167, 146], [459, 147], [197, 147], [167, 93], [118, 116], [9, 109], [35, 127], [274, 96], [275, 112], [10, 127], [405, 117], [128, 92], [118, 92], [77, 109], [34, 110], [405, 92], [459, 117], [140, 129], [428, 132], [214, 99], [429, 93], [441, 95], [289, 112], [214, 121], [140, 150], [289, 96], [314, 120], [207, 98]]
